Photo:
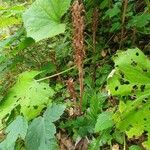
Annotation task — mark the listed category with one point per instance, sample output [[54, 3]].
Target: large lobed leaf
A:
[[130, 80], [27, 93], [17, 129], [42, 19], [41, 132], [104, 121]]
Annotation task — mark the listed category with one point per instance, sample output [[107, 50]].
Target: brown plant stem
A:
[[78, 41], [95, 21], [95, 26], [125, 5]]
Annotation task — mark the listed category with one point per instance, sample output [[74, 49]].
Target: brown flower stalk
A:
[[125, 5], [78, 41], [95, 26]]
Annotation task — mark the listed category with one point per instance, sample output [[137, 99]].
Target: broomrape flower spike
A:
[[78, 40]]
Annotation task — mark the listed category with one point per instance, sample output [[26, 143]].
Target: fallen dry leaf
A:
[[115, 147]]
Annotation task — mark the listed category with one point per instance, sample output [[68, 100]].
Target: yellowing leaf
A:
[[27, 93], [131, 83]]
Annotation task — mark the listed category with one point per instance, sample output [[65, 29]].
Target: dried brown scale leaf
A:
[[78, 40], [71, 89]]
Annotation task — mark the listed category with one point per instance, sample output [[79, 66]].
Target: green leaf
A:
[[113, 11], [40, 135], [140, 21], [134, 147], [41, 132], [130, 80], [53, 113], [104, 121], [17, 129], [42, 19], [104, 4], [27, 93]]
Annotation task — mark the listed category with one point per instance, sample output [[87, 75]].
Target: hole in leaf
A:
[[132, 97], [35, 107], [144, 101], [135, 87], [144, 70], [116, 55], [18, 99], [122, 74], [134, 64], [116, 88], [137, 54], [124, 97], [142, 87], [126, 82], [122, 82]]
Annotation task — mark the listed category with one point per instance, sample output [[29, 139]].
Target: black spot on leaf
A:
[[145, 119], [136, 109]]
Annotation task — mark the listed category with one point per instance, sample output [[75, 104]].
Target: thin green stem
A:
[[57, 74], [62, 72], [124, 146]]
